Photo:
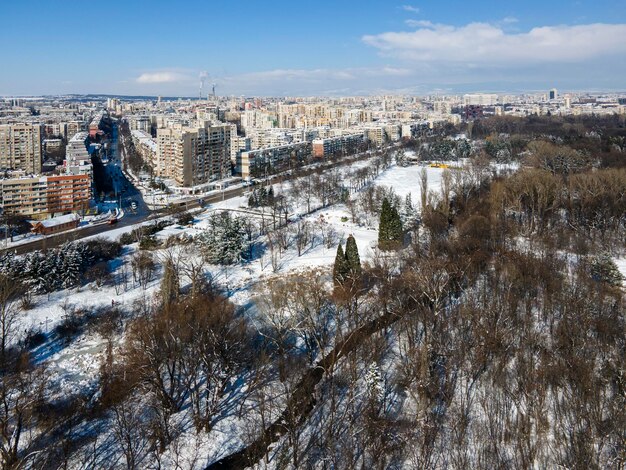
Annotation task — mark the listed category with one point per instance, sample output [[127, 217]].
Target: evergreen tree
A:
[[352, 258], [383, 225], [71, 266], [390, 227], [341, 270], [395, 226], [604, 269], [226, 241], [409, 214]]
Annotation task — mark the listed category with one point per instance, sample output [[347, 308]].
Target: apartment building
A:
[[20, 147], [480, 99], [68, 193], [375, 134], [267, 161], [140, 123], [46, 196], [323, 148], [145, 145], [77, 159], [193, 156]]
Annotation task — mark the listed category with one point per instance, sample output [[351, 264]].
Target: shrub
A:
[[184, 218], [148, 242]]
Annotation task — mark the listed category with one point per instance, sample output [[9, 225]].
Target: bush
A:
[[148, 242], [34, 338], [184, 218], [139, 233], [102, 249], [127, 239], [69, 328]]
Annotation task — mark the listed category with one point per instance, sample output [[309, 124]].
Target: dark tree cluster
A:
[[60, 268], [390, 233]]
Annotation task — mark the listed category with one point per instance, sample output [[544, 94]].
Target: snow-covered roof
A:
[[56, 221]]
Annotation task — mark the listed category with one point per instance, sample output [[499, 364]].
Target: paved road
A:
[[134, 218], [128, 219]]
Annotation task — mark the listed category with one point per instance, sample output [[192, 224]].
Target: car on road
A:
[[113, 221]]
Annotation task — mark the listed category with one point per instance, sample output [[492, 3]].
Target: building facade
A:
[[46, 196], [348, 144], [20, 147], [194, 156], [268, 161], [77, 159]]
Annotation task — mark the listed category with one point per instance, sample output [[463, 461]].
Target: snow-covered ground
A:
[[75, 365], [405, 180]]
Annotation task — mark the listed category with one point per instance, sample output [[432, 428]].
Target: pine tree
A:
[[341, 270], [604, 269], [395, 227], [225, 242], [390, 227], [383, 226], [352, 258], [409, 214]]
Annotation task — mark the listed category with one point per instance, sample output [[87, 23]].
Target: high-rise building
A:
[[20, 147], [77, 159], [194, 156], [480, 99], [554, 94], [46, 196]]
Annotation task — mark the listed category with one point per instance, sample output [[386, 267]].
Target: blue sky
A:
[[254, 47]]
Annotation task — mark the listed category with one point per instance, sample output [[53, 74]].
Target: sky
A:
[[305, 48]]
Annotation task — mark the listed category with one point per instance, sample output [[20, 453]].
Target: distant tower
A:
[[568, 101], [213, 90], [553, 94]]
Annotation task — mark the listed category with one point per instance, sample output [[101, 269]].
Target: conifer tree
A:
[[604, 269], [390, 227], [395, 226], [341, 270], [352, 258]]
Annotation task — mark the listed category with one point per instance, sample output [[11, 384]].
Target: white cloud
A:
[[321, 81], [509, 20], [311, 75], [487, 44], [410, 9], [319, 75], [419, 23], [161, 77]]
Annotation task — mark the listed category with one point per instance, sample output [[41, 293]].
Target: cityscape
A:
[[386, 236]]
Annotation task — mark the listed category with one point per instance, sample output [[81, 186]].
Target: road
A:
[[142, 214], [129, 218]]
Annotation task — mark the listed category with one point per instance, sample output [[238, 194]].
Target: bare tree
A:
[[10, 292]]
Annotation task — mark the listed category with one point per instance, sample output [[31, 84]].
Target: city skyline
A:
[[289, 49]]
